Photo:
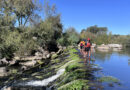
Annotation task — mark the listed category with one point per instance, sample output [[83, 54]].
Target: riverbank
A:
[[65, 71]]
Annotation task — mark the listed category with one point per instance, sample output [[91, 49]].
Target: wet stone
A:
[[38, 77]]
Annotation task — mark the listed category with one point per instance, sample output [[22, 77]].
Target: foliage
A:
[[9, 43], [22, 30], [69, 37], [22, 10], [75, 85], [97, 30], [97, 35]]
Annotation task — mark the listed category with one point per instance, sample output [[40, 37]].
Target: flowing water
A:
[[116, 64], [45, 82]]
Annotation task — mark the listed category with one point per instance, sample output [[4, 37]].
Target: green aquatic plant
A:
[[109, 79], [54, 56], [75, 85], [72, 50], [73, 66]]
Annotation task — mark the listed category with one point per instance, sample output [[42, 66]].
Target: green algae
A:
[[109, 79], [54, 56], [75, 85]]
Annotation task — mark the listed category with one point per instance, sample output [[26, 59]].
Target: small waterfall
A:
[[45, 82]]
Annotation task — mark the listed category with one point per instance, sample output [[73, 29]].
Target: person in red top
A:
[[87, 48]]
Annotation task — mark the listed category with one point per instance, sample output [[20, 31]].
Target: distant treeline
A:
[[100, 35], [23, 29]]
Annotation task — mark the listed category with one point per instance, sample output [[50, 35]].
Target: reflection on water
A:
[[116, 64]]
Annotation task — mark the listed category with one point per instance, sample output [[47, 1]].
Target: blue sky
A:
[[114, 14]]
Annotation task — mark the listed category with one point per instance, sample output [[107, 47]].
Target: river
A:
[[115, 64]]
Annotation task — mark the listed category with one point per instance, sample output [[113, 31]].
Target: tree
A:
[[22, 10], [97, 30], [73, 36]]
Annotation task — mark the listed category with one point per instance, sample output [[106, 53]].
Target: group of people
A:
[[85, 48]]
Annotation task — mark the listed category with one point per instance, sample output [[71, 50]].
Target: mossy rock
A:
[[75, 85], [40, 62], [55, 61], [73, 50], [34, 74], [11, 78], [14, 71], [24, 79], [38, 77], [54, 56]]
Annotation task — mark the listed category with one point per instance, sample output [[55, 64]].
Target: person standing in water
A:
[[87, 49], [82, 43]]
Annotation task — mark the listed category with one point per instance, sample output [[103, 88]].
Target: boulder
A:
[[16, 58], [13, 62], [52, 53], [28, 63], [115, 46], [38, 54], [4, 61], [23, 68], [103, 47]]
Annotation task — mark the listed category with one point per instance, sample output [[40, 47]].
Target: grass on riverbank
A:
[[75, 74]]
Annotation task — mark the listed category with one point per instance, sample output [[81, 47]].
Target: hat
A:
[[88, 39]]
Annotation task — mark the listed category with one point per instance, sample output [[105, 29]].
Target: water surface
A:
[[116, 64]]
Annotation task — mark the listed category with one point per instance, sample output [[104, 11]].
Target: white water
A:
[[45, 82]]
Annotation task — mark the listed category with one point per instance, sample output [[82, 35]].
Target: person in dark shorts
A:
[[87, 48], [82, 43]]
